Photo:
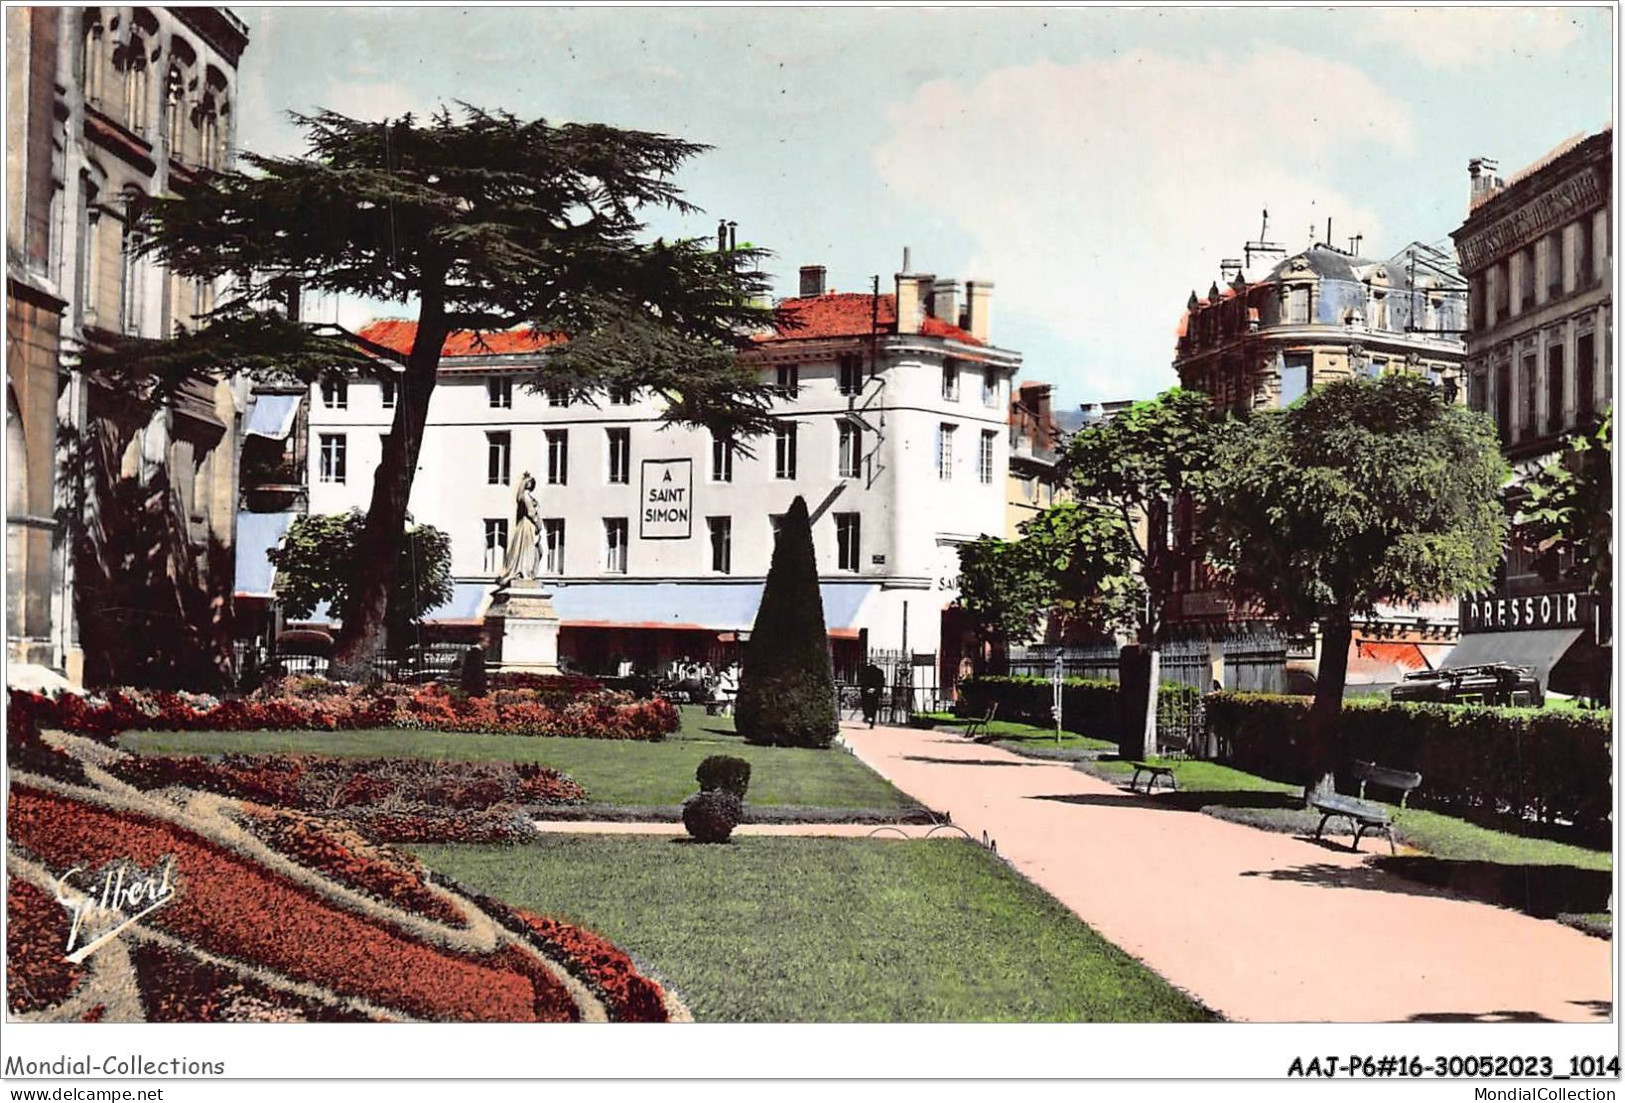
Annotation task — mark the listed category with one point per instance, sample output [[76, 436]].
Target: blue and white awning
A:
[[258, 533], [699, 606]]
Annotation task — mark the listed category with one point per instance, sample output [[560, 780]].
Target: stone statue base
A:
[[522, 629]]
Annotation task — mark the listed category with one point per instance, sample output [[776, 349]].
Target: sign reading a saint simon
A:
[[667, 497]]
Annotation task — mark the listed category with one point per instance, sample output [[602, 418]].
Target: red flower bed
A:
[[37, 976], [345, 855], [519, 711], [504, 823], [632, 997], [604, 967], [232, 907], [177, 987], [562, 686], [334, 783]]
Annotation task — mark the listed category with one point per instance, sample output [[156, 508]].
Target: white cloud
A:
[[376, 100], [1461, 38], [1098, 195]]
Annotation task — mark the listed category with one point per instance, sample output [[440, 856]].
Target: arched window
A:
[[89, 261], [131, 282], [212, 117], [180, 84], [91, 57], [208, 133], [174, 91], [132, 61]]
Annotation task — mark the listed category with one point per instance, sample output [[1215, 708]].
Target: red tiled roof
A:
[[399, 335], [839, 314], [853, 314]]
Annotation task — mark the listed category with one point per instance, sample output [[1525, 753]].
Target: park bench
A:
[[1155, 772], [1364, 815], [977, 726]]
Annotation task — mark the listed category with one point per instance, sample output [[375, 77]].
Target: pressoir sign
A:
[[1531, 612], [666, 500]]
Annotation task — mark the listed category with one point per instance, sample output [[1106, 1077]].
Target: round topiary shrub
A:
[[711, 816], [721, 771]]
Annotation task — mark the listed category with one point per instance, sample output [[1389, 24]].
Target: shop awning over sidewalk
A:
[[1540, 649], [694, 606]]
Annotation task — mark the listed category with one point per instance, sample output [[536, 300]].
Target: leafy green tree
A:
[[1363, 493], [481, 222], [1068, 564], [1140, 465], [787, 684], [1565, 514], [317, 559]]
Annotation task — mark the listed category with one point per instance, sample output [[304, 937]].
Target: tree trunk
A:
[[1137, 677], [361, 637], [1325, 752]]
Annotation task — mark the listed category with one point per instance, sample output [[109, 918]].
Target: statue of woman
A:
[[524, 550]]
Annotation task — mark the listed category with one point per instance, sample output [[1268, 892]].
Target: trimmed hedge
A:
[[1088, 705], [1553, 767]]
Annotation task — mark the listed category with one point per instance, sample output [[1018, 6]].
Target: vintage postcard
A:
[[1094, 520]]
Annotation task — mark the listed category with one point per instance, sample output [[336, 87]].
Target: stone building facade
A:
[[1537, 251], [1035, 441], [1262, 340], [124, 519], [1320, 315]]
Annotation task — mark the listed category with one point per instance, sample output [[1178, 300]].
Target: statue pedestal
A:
[[522, 629]]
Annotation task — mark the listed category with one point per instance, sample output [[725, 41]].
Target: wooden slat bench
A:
[[1364, 815], [1155, 772]]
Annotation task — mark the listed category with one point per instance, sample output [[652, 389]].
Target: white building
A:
[[894, 432]]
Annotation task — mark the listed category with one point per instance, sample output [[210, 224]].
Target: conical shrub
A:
[[787, 687]]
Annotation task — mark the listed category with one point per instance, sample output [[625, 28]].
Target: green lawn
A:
[[828, 930], [612, 771]]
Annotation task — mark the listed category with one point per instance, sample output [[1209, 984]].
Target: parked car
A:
[[1489, 684]]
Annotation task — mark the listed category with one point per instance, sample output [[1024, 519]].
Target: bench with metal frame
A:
[[976, 727], [1364, 815], [1155, 771]]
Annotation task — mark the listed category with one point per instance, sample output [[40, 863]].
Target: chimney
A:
[[722, 235], [978, 307], [1481, 171], [812, 280], [945, 300], [913, 295]]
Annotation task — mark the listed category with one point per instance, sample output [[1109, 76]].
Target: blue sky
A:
[[1095, 163]]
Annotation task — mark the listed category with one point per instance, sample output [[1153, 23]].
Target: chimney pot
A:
[[812, 280], [945, 300], [978, 308]]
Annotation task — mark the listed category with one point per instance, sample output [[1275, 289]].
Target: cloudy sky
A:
[[1095, 164]]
